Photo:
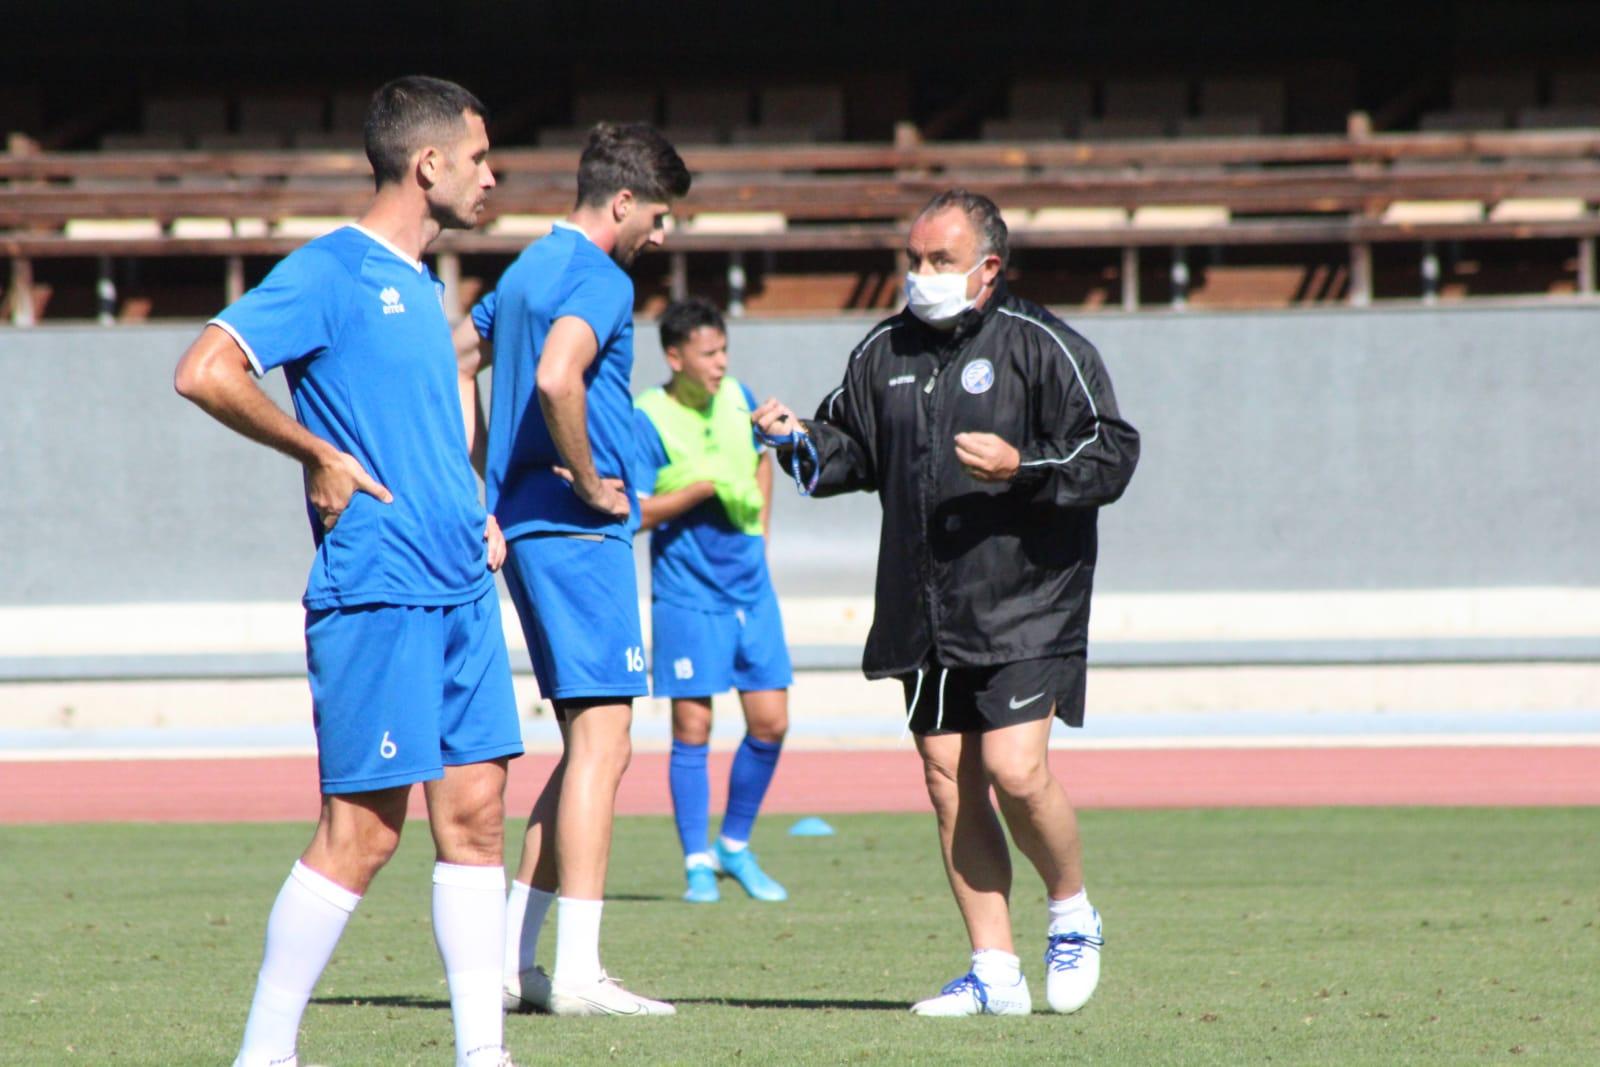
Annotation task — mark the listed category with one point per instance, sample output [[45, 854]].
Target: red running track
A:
[[816, 782]]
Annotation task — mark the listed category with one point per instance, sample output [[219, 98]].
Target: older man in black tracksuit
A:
[[989, 430]]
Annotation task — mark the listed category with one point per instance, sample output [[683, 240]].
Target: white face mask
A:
[[937, 299]]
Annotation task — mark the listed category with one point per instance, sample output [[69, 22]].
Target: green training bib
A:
[[714, 446]]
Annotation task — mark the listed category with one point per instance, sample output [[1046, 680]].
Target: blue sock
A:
[[691, 796], [753, 766]]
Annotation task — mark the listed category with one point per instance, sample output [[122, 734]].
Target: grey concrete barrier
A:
[[1337, 449]]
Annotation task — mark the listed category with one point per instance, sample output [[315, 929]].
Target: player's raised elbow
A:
[[209, 365], [192, 376]]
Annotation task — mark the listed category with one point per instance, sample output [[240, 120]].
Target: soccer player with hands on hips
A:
[[410, 681], [705, 492], [989, 430], [558, 331]]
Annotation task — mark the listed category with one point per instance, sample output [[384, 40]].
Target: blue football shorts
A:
[[400, 692], [700, 653], [578, 599]]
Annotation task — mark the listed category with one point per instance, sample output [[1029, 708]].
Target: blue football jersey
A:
[[361, 333], [561, 275]]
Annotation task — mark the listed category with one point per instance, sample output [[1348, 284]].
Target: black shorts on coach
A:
[[952, 700]]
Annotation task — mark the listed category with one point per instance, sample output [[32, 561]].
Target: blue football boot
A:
[[702, 885], [742, 867]]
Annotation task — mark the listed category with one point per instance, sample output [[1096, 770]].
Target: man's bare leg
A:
[[1046, 830], [356, 835], [1036, 810], [766, 714], [977, 861], [598, 752], [973, 845], [537, 866], [691, 720], [466, 813]]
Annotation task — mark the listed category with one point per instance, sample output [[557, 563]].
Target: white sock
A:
[[306, 922], [994, 967], [697, 859], [577, 942], [526, 908], [468, 927], [732, 845], [1071, 914]]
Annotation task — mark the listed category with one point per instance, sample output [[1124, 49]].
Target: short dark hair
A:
[[634, 156], [993, 237], [684, 317], [410, 113]]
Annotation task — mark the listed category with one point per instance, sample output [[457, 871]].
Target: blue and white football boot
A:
[[1072, 964], [970, 995]]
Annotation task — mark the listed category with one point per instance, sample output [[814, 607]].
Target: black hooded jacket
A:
[[976, 573]]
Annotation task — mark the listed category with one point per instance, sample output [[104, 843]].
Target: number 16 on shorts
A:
[[635, 657]]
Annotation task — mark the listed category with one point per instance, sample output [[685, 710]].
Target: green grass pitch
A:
[[1332, 936]]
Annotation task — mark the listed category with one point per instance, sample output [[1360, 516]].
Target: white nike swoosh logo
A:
[[609, 1009], [1015, 703]]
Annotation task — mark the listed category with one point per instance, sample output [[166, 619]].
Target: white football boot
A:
[[970, 995], [605, 997], [1072, 964], [527, 992]]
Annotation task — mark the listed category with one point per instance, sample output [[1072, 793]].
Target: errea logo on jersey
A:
[[391, 301]]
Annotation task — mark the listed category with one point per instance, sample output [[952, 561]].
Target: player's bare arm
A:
[[215, 374], [987, 457], [495, 542], [664, 507], [764, 468], [569, 349], [473, 354]]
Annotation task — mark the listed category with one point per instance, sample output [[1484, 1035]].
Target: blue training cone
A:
[[811, 826]]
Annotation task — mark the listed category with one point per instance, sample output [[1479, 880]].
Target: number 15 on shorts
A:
[[635, 656]]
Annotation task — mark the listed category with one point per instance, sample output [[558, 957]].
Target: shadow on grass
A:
[[384, 1002], [401, 1001], [796, 1002], [645, 898]]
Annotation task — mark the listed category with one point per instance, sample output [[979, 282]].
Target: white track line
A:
[[812, 744]]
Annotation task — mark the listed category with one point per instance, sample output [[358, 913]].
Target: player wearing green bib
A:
[[705, 488]]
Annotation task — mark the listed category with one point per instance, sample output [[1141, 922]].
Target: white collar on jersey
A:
[[416, 264], [563, 224]]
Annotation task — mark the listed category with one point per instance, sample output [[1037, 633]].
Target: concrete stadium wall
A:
[[1382, 449]]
